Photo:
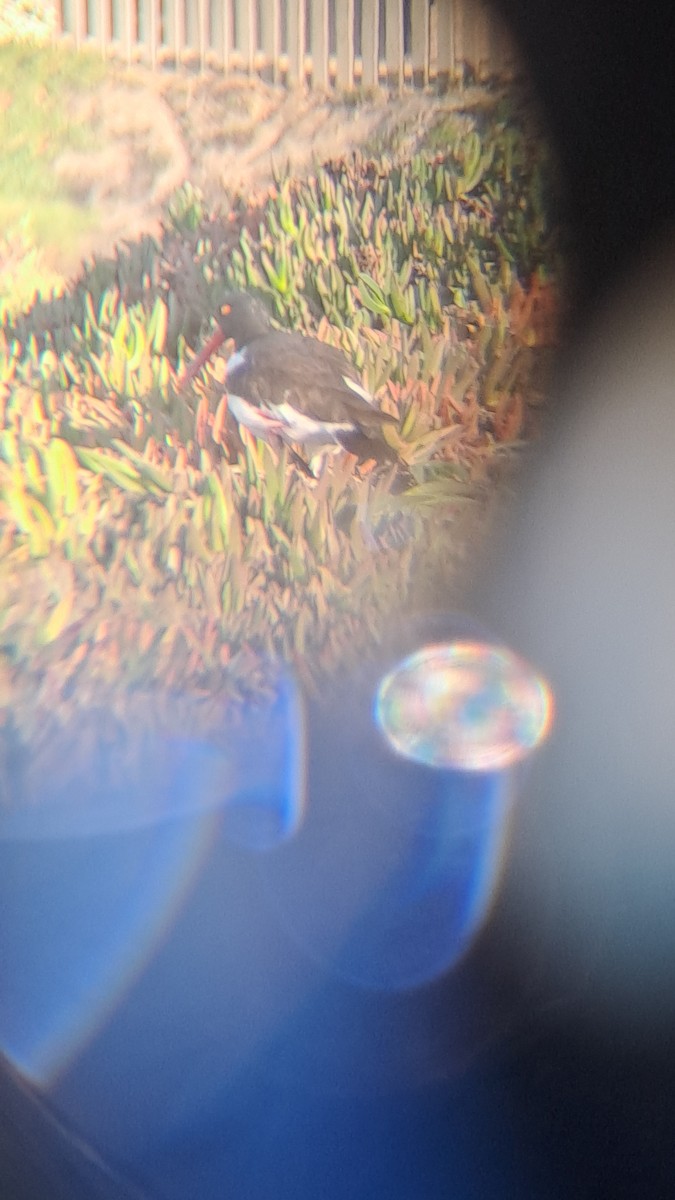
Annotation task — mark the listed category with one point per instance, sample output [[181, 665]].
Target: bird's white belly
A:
[[259, 420]]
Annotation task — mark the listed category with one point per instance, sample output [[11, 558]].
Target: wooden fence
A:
[[325, 43]]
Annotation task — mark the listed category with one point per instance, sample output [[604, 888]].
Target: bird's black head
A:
[[243, 317]]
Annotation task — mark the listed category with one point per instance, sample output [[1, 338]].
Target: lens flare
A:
[[99, 854], [464, 705], [412, 784]]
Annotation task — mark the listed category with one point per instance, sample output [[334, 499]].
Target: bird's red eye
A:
[[225, 309]]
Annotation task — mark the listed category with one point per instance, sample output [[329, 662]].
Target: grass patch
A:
[[25, 274], [55, 214], [37, 86], [36, 125]]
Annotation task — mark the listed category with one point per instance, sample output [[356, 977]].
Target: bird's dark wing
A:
[[303, 372]]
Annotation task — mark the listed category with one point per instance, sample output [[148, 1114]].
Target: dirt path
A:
[[155, 131]]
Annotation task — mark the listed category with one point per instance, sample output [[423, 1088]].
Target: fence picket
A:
[[246, 33], [79, 22], [127, 29], [344, 37], [420, 49], [103, 26], [446, 53], [370, 49], [394, 38], [319, 43], [295, 34], [270, 36]]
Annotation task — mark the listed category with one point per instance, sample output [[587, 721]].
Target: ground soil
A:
[[154, 131]]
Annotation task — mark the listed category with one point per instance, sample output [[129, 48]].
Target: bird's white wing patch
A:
[[302, 428], [359, 390]]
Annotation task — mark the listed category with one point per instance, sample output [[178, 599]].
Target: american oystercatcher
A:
[[283, 385]]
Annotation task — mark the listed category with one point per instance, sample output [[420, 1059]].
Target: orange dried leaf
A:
[[219, 421], [202, 422], [509, 417], [146, 637]]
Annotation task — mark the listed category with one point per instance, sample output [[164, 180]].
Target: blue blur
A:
[[93, 877], [80, 919], [252, 766], [387, 890]]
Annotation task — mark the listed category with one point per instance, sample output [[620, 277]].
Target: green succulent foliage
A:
[[116, 494], [186, 210]]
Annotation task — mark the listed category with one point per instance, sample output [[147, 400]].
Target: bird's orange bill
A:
[[207, 351]]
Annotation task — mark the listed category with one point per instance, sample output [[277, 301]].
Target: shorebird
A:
[[287, 386]]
